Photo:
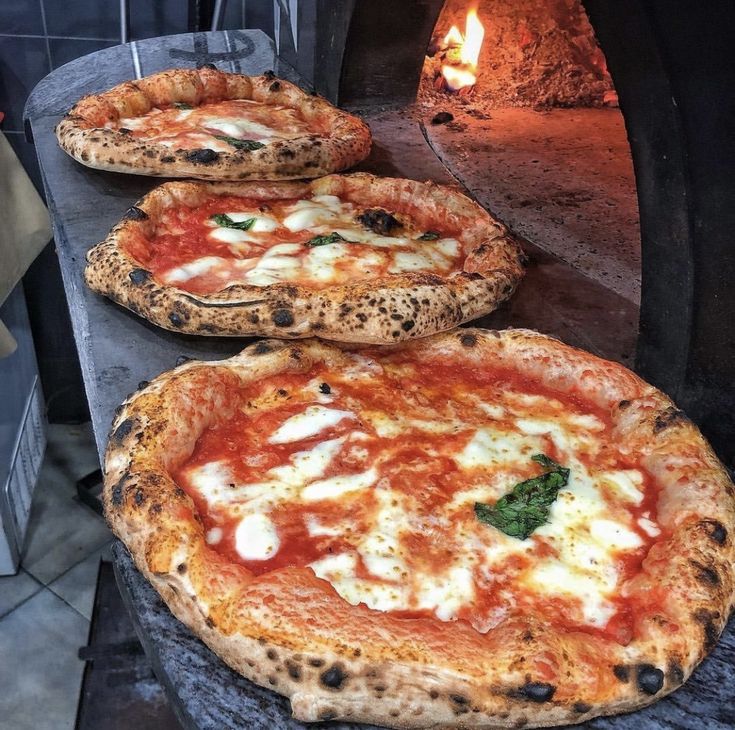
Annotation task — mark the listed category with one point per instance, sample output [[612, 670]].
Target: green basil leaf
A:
[[224, 220], [183, 105], [429, 236], [526, 507], [241, 144], [333, 237]]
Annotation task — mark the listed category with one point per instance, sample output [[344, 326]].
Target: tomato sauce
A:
[[425, 478]]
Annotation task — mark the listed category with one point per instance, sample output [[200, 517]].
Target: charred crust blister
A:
[[282, 317], [134, 213], [203, 156], [581, 707], [325, 389], [709, 627], [650, 679], [621, 672], [705, 574], [139, 276], [261, 348], [334, 677], [716, 531], [468, 339], [670, 417], [122, 431], [538, 691], [675, 673]]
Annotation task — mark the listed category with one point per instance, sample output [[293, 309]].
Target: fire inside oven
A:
[[525, 114]]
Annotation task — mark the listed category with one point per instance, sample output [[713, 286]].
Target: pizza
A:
[[208, 124], [475, 529], [346, 257]]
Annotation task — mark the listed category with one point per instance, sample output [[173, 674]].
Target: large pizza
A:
[[474, 529], [212, 125], [346, 257]]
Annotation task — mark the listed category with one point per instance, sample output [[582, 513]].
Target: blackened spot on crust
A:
[[139, 497], [287, 153], [269, 75], [275, 86], [143, 384], [316, 662], [282, 392], [282, 317], [705, 574], [650, 679], [176, 319], [122, 431], [538, 691], [181, 359], [168, 158], [272, 680], [361, 316], [328, 713], [670, 417], [459, 699], [125, 130], [433, 694], [582, 707], [715, 530], [675, 673], [622, 672], [521, 722], [324, 388], [181, 568], [378, 221], [271, 654], [139, 276], [623, 404], [468, 340], [209, 65], [117, 493], [294, 670], [261, 348], [148, 153], [408, 325], [203, 156], [711, 633], [380, 688], [334, 677], [134, 213]]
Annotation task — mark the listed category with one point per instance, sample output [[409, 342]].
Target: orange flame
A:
[[459, 76]]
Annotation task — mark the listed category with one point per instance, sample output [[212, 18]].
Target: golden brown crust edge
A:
[[291, 633], [386, 310], [82, 135]]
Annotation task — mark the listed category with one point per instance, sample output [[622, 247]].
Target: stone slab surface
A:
[[118, 350]]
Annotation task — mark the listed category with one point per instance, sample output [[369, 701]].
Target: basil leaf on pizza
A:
[[526, 507], [333, 237], [224, 221], [241, 144]]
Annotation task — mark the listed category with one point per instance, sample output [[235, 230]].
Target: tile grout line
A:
[[56, 37], [45, 34], [40, 587]]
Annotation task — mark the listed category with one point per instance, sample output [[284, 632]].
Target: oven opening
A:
[[521, 108]]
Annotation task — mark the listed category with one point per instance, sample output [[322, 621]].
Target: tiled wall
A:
[[37, 36]]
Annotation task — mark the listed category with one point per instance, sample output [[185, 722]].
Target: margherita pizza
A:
[[347, 257], [212, 125], [477, 529]]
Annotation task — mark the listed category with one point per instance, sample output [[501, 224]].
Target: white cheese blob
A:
[[446, 593], [256, 537], [307, 423], [188, 271], [337, 486]]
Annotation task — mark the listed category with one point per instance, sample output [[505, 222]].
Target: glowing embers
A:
[[461, 52]]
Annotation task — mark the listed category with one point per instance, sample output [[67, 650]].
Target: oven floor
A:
[[562, 178]]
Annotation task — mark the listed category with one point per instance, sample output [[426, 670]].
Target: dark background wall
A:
[[37, 36]]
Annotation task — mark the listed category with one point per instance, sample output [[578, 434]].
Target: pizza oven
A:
[[599, 131]]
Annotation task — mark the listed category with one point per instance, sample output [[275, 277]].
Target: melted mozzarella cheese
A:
[[256, 537], [490, 447], [338, 486], [308, 423], [188, 271]]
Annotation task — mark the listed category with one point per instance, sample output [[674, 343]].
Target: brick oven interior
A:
[[539, 139]]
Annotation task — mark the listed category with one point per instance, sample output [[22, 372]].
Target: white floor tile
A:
[[40, 673], [77, 585], [14, 589]]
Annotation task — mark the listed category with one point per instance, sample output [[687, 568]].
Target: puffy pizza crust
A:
[[383, 310], [291, 632], [83, 135]]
